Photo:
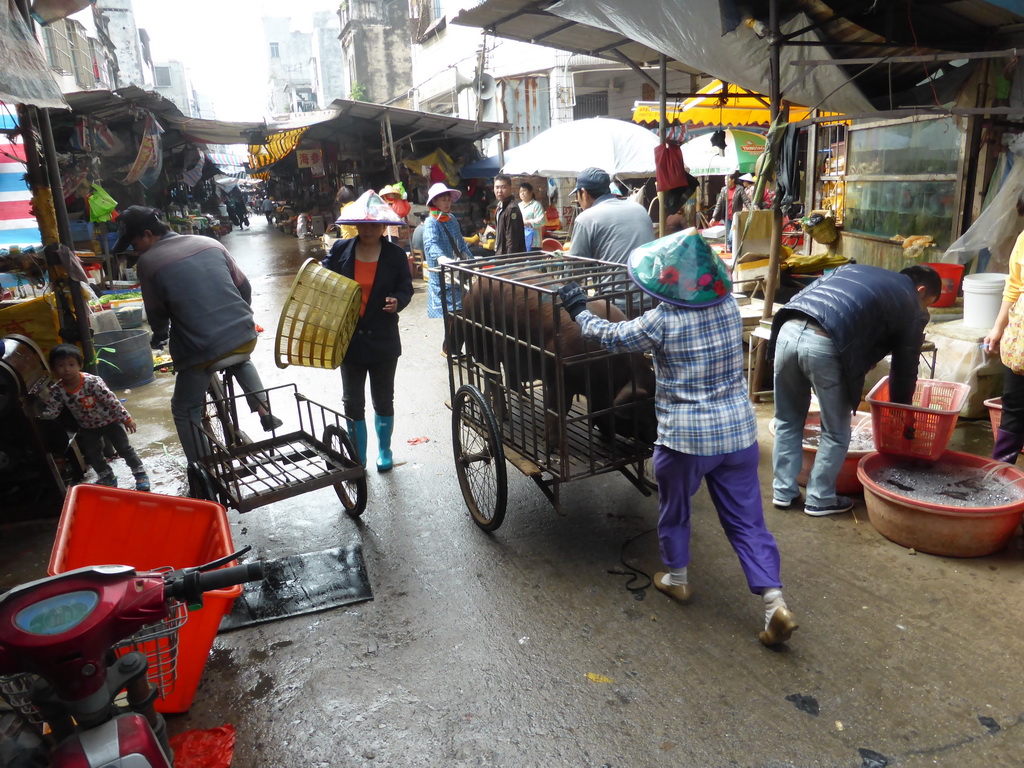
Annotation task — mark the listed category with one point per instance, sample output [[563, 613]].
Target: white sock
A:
[[675, 577], [773, 600]]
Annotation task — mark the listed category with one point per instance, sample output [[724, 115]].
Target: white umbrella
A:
[[616, 146], [742, 148]]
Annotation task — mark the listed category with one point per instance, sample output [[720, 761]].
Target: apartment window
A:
[[58, 46], [275, 51], [591, 105], [162, 76]]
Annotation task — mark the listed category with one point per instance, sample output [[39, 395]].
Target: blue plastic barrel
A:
[[124, 358]]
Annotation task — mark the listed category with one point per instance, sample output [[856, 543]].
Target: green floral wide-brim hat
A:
[[681, 269]]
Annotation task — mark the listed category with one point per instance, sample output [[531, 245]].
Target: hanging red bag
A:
[[669, 167]]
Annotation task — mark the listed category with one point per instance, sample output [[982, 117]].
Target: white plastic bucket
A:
[[983, 294]]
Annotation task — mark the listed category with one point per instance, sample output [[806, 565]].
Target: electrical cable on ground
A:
[[634, 573]]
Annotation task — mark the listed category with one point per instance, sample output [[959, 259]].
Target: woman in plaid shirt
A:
[[707, 428]]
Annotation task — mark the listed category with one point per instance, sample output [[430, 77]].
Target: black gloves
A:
[[574, 298], [158, 341]]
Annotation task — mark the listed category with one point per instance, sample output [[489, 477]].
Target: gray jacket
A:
[[192, 284]]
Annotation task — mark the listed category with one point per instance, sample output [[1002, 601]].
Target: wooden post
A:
[[662, 132], [775, 102]]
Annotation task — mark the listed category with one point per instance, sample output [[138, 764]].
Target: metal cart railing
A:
[[311, 451], [525, 387]]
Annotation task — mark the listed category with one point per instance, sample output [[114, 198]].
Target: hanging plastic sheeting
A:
[[691, 33], [992, 235], [150, 159], [49, 11], [25, 78]]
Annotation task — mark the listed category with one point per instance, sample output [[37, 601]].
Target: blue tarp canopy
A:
[[484, 168]]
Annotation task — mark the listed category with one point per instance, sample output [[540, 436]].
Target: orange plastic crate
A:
[[106, 526], [936, 407]]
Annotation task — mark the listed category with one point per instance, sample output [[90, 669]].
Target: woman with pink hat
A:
[[382, 270], [442, 243]]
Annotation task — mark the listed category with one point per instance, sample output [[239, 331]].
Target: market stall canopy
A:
[[720, 104], [713, 36], [25, 77], [742, 149], [616, 146]]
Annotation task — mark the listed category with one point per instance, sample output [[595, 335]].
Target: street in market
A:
[[525, 647]]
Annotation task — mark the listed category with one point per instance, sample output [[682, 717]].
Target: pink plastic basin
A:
[[935, 528], [847, 482]]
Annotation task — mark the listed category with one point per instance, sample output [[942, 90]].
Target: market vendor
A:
[[707, 428]]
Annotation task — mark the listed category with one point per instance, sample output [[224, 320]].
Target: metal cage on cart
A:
[[526, 387]]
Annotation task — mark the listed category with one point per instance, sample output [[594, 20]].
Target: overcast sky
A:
[[221, 43]]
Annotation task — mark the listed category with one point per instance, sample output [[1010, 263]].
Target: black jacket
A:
[[509, 235], [376, 337], [868, 312]]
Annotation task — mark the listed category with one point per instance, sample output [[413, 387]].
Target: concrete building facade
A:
[[375, 44], [328, 63], [116, 20], [289, 63], [170, 80]]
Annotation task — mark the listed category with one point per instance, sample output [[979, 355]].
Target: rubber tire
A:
[[351, 493], [200, 484], [486, 450]]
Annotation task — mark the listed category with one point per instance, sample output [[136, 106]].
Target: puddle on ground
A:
[[951, 485]]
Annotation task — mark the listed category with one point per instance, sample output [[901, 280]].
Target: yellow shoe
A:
[[678, 592], [780, 628]]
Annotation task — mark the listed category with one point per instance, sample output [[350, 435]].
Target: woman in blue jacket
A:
[[442, 242], [382, 270]]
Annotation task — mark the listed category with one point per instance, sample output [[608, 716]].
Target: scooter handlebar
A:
[[190, 586]]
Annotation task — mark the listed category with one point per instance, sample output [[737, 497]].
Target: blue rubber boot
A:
[[359, 435], [385, 426]]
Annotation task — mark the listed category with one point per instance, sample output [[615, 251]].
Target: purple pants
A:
[[736, 493]]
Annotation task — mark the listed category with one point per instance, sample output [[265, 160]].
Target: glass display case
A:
[[903, 178]]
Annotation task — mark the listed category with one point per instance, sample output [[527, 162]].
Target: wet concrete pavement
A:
[[477, 648]]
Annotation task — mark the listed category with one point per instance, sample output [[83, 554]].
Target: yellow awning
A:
[[715, 106], [278, 145]]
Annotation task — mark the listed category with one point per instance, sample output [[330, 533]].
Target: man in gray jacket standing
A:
[[197, 297]]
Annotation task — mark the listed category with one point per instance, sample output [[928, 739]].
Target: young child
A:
[[98, 412], [707, 428]]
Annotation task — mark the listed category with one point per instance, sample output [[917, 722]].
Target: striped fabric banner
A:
[[278, 145], [17, 224]]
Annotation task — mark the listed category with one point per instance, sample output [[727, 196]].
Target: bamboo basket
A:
[[318, 318]]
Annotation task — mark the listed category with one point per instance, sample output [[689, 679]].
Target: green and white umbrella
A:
[[742, 149]]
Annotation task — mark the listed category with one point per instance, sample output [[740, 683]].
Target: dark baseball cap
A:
[[594, 180], [135, 221]]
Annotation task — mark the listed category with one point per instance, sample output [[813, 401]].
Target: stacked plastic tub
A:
[[916, 436]]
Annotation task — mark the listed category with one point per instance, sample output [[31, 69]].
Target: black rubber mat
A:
[[299, 584]]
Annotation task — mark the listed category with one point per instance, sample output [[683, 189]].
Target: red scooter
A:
[[63, 632]]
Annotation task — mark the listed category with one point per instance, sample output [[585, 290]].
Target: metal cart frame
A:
[[251, 474], [508, 381]]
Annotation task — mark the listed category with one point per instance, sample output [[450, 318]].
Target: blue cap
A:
[[594, 180]]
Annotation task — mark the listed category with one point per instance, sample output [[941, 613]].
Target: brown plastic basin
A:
[[935, 528]]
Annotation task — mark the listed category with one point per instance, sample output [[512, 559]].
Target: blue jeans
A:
[[804, 359]]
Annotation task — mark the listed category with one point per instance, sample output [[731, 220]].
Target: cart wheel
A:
[[479, 458], [352, 493], [200, 484]]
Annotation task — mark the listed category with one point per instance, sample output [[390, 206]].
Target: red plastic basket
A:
[[933, 416], [147, 531]]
